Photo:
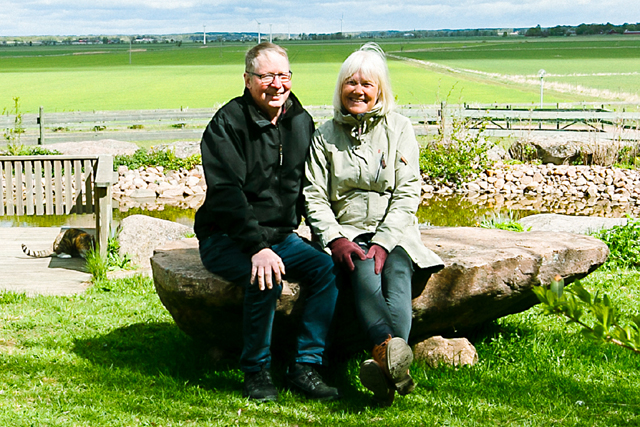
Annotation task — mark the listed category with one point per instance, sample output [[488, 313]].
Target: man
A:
[[253, 154]]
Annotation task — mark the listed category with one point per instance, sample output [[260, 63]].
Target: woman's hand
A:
[[379, 254], [342, 249], [263, 264]]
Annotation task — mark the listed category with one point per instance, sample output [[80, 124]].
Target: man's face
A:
[[269, 97]]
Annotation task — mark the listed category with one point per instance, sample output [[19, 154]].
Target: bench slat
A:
[[48, 190], [88, 189], [2, 198], [29, 193], [68, 188], [57, 179], [38, 188], [18, 189], [8, 167], [77, 175]]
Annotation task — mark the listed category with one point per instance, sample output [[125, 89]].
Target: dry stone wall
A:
[[585, 189]]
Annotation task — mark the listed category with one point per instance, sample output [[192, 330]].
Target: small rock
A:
[[451, 352]]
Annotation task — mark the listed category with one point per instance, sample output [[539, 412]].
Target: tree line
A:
[[581, 30]]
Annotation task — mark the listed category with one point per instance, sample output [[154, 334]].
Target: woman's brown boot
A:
[[394, 357]]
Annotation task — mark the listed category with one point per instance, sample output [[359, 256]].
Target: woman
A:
[[362, 193]]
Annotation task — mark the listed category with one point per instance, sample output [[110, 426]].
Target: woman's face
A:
[[359, 94]]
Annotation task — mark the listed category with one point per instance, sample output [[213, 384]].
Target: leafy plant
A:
[[165, 158], [96, 265], [503, 223], [457, 156], [28, 150], [12, 135], [575, 302], [115, 261], [624, 244], [523, 151]]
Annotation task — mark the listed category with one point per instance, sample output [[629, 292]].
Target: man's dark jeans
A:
[[305, 264]]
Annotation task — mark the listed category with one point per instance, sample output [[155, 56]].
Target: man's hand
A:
[[379, 254], [342, 249], [263, 264]]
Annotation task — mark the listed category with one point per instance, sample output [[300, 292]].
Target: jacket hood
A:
[[359, 124]]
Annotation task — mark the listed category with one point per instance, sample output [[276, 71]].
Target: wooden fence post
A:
[[41, 123]]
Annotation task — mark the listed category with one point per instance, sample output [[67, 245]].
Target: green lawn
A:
[[114, 357], [81, 78]]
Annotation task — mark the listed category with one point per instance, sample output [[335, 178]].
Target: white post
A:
[[204, 35], [541, 73]]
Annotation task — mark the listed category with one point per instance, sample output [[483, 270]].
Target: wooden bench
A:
[[59, 185]]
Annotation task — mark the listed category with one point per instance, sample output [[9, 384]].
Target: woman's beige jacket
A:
[[362, 176]]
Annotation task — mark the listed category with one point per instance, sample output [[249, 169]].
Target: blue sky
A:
[[75, 17]]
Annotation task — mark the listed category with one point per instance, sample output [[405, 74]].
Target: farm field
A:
[[162, 76], [603, 67]]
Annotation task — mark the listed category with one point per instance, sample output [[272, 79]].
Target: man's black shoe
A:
[[305, 378], [259, 386]]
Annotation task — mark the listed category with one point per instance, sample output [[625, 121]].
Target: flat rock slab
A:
[[104, 146], [569, 223], [488, 274]]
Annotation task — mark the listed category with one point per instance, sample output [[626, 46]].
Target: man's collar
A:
[[260, 117]]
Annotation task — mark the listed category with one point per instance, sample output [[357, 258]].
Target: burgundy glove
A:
[[379, 254], [342, 249]]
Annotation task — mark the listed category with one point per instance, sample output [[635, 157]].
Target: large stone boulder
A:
[[139, 235], [488, 274]]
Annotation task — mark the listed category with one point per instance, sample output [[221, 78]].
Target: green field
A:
[[99, 77]]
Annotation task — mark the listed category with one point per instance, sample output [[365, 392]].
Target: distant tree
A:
[[535, 32], [558, 30]]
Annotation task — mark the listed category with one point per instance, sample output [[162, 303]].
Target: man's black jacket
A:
[[254, 171]]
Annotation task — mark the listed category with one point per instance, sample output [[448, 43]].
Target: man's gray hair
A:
[[251, 58], [370, 61]]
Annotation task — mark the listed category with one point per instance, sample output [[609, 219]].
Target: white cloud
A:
[[61, 17]]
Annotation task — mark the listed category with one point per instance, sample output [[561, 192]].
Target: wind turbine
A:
[[258, 30], [204, 34], [270, 34]]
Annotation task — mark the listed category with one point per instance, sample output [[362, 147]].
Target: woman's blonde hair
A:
[[370, 61]]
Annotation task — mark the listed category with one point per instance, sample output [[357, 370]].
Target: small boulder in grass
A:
[[437, 351]]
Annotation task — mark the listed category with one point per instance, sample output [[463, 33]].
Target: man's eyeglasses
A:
[[268, 78]]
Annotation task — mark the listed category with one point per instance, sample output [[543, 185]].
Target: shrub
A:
[[623, 242], [456, 157], [28, 150], [165, 158]]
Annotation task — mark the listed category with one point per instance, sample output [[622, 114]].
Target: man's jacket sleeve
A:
[[225, 173]]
